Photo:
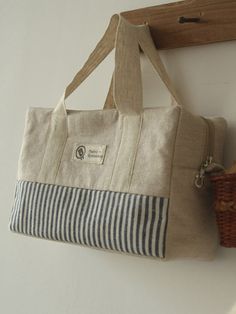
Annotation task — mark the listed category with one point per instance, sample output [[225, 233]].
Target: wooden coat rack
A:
[[188, 23]]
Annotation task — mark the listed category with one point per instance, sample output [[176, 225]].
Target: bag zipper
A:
[[208, 165]]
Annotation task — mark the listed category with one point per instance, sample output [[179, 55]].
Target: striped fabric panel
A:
[[124, 222]]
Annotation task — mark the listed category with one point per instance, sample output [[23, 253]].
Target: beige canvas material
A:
[[103, 48], [120, 133], [150, 151], [146, 43], [109, 102], [191, 219]]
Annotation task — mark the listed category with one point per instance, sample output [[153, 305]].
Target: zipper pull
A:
[[206, 168], [214, 167], [200, 176]]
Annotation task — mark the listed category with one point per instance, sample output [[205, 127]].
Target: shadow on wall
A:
[[233, 310]]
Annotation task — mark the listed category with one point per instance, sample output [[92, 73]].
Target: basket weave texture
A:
[[225, 207]]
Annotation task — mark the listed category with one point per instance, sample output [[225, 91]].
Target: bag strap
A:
[[101, 51], [149, 48], [127, 79], [109, 102], [146, 43], [126, 85]]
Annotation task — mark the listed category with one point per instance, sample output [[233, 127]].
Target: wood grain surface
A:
[[217, 22]]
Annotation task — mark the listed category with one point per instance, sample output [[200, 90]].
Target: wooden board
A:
[[217, 22]]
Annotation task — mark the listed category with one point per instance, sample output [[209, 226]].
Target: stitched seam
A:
[[131, 171], [170, 184], [46, 147], [205, 143], [60, 160], [174, 151], [118, 151]]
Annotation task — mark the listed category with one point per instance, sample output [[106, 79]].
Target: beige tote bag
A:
[[125, 178]]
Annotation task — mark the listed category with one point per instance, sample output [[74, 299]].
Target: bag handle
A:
[[102, 49], [149, 48], [126, 85], [109, 102], [146, 43]]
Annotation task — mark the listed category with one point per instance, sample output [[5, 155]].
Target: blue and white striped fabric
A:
[[124, 222]]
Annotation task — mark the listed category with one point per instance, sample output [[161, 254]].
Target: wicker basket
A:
[[225, 207]]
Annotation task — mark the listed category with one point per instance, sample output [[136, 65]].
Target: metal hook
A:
[[183, 19]]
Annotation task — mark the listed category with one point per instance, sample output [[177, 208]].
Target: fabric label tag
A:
[[89, 153]]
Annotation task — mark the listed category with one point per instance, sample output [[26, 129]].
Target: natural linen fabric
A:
[[151, 152]]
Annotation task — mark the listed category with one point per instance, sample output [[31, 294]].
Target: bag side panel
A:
[[192, 228], [192, 231], [220, 127]]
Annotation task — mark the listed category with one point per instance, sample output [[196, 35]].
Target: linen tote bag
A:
[[125, 178]]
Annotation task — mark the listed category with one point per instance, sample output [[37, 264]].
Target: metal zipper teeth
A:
[[210, 138], [207, 140], [207, 154]]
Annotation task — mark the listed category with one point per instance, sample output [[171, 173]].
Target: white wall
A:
[[43, 44]]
